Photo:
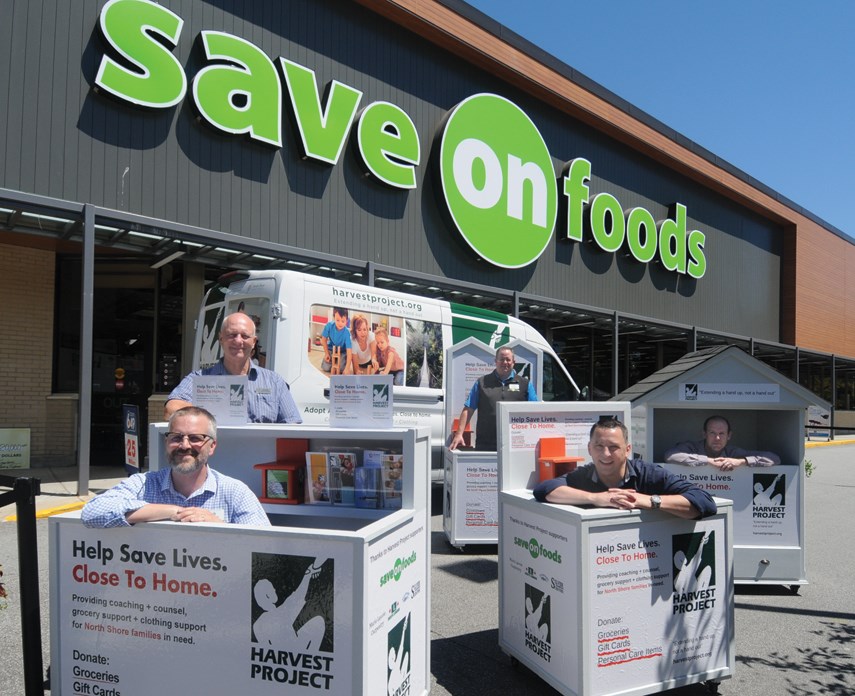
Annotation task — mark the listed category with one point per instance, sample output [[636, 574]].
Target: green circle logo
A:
[[498, 180]]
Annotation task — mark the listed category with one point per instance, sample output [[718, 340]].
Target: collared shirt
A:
[[474, 397], [230, 499], [694, 454], [268, 397], [650, 479]]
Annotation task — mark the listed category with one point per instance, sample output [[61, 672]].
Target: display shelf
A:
[[241, 448]]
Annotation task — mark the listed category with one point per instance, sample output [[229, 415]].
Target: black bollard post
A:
[[26, 491]]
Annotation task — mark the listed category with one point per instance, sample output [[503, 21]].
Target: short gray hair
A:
[[196, 411]]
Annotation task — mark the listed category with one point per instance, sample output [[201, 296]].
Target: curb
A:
[[47, 512], [829, 443]]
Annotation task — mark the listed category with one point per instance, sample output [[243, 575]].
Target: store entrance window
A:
[[137, 313]]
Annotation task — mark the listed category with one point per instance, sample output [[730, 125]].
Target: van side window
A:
[[345, 340]]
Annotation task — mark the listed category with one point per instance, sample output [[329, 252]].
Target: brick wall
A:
[[26, 344]]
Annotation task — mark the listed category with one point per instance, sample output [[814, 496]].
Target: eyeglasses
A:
[[195, 440]]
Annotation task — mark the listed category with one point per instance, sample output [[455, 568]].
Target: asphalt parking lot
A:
[[787, 642]]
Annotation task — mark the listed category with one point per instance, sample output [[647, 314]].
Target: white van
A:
[[290, 310]]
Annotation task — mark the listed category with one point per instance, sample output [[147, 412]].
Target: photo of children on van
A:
[[368, 343], [336, 343]]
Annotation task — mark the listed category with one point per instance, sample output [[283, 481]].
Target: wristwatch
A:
[[655, 502]]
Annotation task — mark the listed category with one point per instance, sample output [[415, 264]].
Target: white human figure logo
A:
[[533, 616], [688, 579], [275, 626], [399, 663], [209, 351], [763, 497]]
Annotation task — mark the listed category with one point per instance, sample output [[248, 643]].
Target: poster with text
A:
[[221, 611], [716, 392], [658, 598], [528, 427], [766, 508], [477, 491], [361, 401], [223, 395]]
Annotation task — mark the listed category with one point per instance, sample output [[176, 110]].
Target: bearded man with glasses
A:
[[188, 491]]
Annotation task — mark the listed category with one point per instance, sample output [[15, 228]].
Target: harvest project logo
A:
[[292, 620], [380, 394], [399, 664], [769, 501], [236, 395], [538, 622], [694, 571]]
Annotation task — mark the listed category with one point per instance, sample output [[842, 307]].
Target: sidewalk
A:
[[59, 487]]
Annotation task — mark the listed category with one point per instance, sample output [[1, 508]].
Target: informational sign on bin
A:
[[766, 500], [397, 573], [613, 602], [670, 569], [222, 395], [361, 401], [231, 617], [539, 606], [715, 392]]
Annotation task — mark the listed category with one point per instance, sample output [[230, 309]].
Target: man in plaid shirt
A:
[[188, 491]]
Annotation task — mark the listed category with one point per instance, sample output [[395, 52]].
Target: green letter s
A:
[[158, 80], [697, 258]]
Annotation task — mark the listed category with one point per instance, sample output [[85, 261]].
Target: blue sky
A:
[[768, 85]]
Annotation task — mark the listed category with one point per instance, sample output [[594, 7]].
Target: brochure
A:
[[316, 478]]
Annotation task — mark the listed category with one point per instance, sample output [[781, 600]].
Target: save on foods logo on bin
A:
[[401, 564], [536, 549]]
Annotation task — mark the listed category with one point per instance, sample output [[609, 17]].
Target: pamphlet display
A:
[[600, 601], [332, 599]]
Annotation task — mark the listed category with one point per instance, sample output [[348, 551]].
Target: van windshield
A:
[[556, 386], [220, 304]]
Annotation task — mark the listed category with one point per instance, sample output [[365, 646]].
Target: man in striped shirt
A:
[[188, 491]]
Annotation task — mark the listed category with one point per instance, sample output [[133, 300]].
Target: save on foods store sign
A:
[[497, 177]]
